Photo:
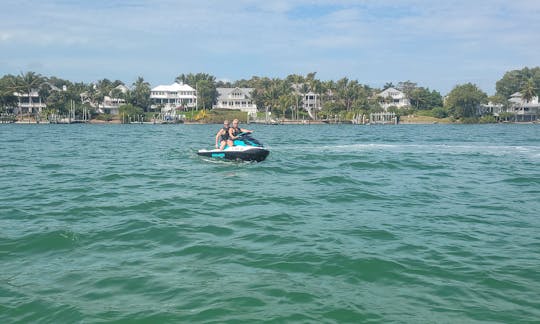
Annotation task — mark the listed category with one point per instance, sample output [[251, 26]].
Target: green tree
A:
[[58, 101], [463, 100], [528, 90], [388, 85], [439, 112], [407, 87], [513, 81], [91, 95], [7, 98], [140, 95], [104, 87], [286, 102], [423, 99], [206, 94], [118, 93], [347, 92], [498, 99], [129, 111], [205, 84], [27, 82]]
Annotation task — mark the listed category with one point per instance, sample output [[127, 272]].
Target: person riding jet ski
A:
[[235, 131], [223, 137], [236, 145]]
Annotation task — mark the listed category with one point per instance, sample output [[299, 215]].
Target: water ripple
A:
[[433, 223]]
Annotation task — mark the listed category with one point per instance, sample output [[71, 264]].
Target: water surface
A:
[[408, 223]]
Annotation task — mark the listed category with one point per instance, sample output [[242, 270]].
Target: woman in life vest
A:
[[222, 136], [235, 130]]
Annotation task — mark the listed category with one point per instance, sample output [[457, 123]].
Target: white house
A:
[[29, 103], [173, 97], [516, 99], [491, 109], [393, 97], [311, 101], [524, 110], [110, 104], [236, 98]]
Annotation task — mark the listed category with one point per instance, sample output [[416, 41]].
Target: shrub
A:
[[439, 112], [488, 119], [105, 117], [469, 120]]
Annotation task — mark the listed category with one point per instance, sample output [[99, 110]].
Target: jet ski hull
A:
[[244, 154]]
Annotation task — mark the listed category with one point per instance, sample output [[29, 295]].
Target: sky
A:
[[437, 44]]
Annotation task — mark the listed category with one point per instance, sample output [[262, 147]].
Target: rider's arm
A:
[[231, 136], [217, 136]]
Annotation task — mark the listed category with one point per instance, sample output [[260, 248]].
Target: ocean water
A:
[[342, 223]]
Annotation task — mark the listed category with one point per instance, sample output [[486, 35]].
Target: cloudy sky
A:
[[437, 44]]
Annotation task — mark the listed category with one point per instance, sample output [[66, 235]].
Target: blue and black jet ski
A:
[[245, 148]]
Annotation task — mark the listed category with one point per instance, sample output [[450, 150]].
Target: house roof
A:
[[516, 94], [223, 93], [392, 92], [173, 87], [122, 88]]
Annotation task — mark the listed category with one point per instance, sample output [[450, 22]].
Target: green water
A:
[[425, 223]]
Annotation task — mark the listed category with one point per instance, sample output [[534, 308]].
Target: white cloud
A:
[[367, 38], [5, 36]]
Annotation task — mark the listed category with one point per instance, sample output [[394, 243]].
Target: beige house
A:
[[236, 98], [393, 97]]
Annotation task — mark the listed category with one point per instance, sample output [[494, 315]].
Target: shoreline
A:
[[404, 121]]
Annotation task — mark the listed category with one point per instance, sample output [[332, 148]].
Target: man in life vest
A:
[[235, 130]]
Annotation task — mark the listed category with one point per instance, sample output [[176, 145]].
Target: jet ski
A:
[[245, 148]]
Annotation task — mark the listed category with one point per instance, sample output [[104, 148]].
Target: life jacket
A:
[[236, 131], [225, 134]]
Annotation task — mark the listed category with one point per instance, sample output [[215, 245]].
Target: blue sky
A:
[[436, 44]]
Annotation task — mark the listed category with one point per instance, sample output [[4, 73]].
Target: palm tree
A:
[[388, 85], [347, 92], [28, 82], [140, 96], [182, 79], [7, 98], [91, 96], [286, 101], [528, 91]]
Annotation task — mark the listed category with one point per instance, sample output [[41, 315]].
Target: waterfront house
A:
[[236, 98], [311, 101], [393, 97], [522, 109], [112, 102], [490, 109], [170, 98], [29, 103]]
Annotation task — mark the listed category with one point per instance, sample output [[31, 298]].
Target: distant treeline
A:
[[283, 97]]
